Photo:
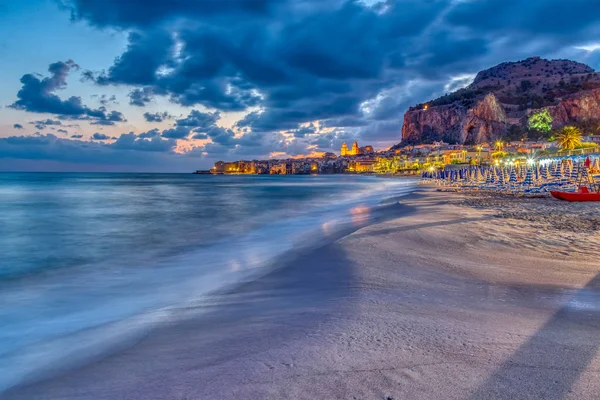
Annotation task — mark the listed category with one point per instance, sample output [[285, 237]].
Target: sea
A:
[[90, 260]]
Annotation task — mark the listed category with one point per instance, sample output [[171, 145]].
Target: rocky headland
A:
[[496, 104]]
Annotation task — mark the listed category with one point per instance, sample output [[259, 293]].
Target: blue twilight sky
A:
[[174, 85]]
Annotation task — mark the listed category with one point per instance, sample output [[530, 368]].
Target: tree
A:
[[569, 138], [541, 121]]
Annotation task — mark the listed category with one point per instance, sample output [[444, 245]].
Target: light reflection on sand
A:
[[360, 214]]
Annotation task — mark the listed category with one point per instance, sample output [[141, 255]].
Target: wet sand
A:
[[456, 297]]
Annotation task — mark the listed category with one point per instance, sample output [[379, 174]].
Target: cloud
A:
[[17, 126], [157, 116], [199, 119], [110, 118], [111, 13], [129, 153], [179, 132], [63, 131], [321, 72], [105, 99], [141, 97], [131, 141], [41, 124], [38, 95], [100, 136], [77, 136]]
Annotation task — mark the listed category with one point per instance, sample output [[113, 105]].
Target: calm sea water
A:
[[86, 259]]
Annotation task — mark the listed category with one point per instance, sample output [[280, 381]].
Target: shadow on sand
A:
[[548, 364]]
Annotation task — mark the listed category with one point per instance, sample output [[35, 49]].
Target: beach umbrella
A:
[[556, 173], [584, 174], [596, 164], [545, 173], [574, 173], [488, 176], [513, 176], [500, 175], [479, 175], [528, 178]]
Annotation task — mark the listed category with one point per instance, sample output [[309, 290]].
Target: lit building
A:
[[344, 151], [279, 169], [358, 166], [355, 150]]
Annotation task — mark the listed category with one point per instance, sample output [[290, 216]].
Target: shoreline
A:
[[448, 295]]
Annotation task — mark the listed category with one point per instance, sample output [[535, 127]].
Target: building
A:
[[365, 165], [355, 150], [593, 139], [219, 168], [455, 156], [279, 169], [344, 151]]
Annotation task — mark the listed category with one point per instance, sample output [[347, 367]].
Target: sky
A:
[[175, 85]]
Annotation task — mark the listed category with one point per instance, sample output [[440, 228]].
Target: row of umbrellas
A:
[[563, 171]]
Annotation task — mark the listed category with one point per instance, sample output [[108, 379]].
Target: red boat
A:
[[582, 195]]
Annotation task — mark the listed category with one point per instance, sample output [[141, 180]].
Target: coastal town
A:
[[408, 160]]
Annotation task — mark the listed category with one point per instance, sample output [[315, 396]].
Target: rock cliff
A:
[[502, 97]]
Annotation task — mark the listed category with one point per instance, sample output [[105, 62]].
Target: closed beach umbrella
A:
[[501, 175], [528, 178], [555, 171], [596, 164], [513, 176], [574, 175], [479, 174], [545, 173], [584, 173]]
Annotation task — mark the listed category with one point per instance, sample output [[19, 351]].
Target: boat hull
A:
[[575, 196]]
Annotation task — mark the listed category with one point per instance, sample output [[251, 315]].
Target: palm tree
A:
[[569, 138]]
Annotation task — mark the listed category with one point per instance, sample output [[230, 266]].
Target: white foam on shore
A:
[[63, 319]]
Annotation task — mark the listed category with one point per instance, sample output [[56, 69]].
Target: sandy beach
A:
[[453, 296]]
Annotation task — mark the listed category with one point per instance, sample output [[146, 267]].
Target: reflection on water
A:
[[360, 214]]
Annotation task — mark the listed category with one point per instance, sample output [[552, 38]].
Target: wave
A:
[[58, 320]]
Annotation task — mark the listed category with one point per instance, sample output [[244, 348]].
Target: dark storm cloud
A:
[[138, 65], [353, 67], [17, 126], [137, 13], [157, 116], [553, 17]]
